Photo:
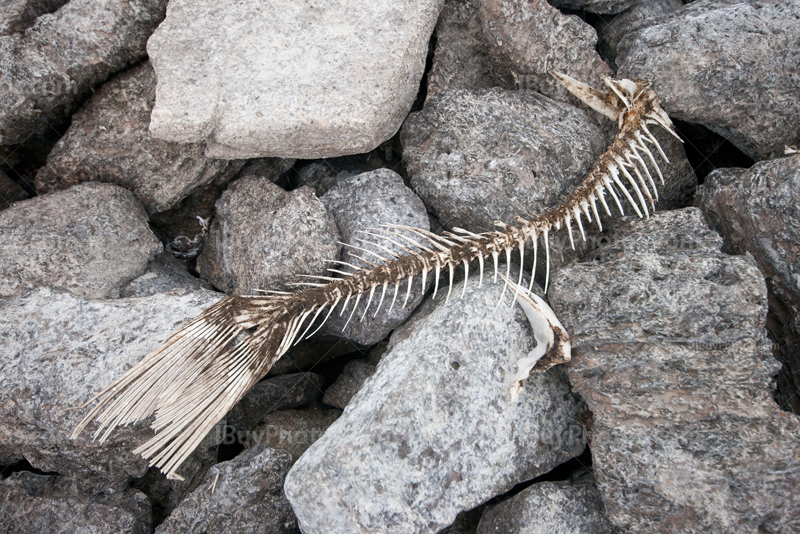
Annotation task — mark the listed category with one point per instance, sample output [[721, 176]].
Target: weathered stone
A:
[[756, 210], [611, 29], [283, 392], [341, 83], [723, 64], [597, 6], [364, 203], [10, 192], [532, 38], [49, 505], [264, 236], [241, 496], [434, 431], [293, 431], [48, 70], [58, 351], [462, 58], [19, 15], [91, 239], [108, 141], [669, 350], [164, 273], [549, 508], [353, 377]]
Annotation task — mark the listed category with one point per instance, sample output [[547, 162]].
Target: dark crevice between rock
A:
[[21, 162], [707, 151], [422, 94], [784, 332], [22, 465]]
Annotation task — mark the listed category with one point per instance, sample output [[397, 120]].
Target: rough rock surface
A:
[[756, 210], [19, 15], [478, 156], [358, 204], [353, 377], [434, 432], [597, 6], [164, 273], [462, 58], [283, 392], [611, 29], [49, 505], [533, 37], [340, 83], [91, 239], [241, 496], [724, 64], [58, 351], [293, 431], [46, 71], [9, 191], [549, 508], [669, 351], [264, 236], [108, 141]]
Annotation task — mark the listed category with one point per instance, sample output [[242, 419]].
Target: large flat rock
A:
[[669, 350], [300, 79]]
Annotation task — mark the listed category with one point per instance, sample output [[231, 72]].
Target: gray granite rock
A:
[[478, 156], [164, 273], [91, 239], [19, 15], [723, 64], [669, 351], [48, 70], [264, 236], [241, 496], [293, 431], [108, 141], [531, 38], [290, 79], [58, 351], [462, 58], [434, 431], [597, 6], [361, 203], [49, 505], [612, 28], [353, 377], [10, 192], [756, 210], [283, 392], [549, 508]]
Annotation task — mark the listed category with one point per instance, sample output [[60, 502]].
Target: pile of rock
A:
[[154, 158]]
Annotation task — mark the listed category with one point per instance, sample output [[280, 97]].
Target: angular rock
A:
[[353, 377], [756, 211], [363, 203], [283, 392], [549, 508], [293, 431], [611, 29], [19, 15], [723, 64], [108, 141], [10, 192], [434, 431], [264, 236], [532, 38], [50, 505], [164, 273], [462, 58], [91, 239], [58, 351], [340, 83], [241, 496], [48, 70], [478, 156], [669, 350], [597, 6]]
